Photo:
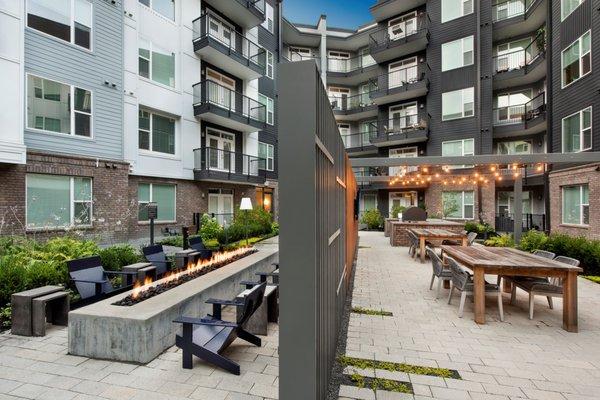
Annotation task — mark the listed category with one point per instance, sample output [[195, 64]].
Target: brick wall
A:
[[574, 176]]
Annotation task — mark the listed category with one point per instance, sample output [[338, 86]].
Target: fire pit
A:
[[149, 289]]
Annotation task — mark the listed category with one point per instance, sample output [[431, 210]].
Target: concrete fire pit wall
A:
[[141, 332]]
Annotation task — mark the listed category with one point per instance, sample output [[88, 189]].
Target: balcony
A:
[[211, 164], [407, 129], [404, 38], [220, 105], [227, 49], [361, 142], [521, 67], [246, 13], [294, 57], [353, 108], [385, 9], [351, 71], [523, 119], [402, 84], [513, 18]]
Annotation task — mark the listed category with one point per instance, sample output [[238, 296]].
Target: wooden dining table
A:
[[506, 261], [425, 234]]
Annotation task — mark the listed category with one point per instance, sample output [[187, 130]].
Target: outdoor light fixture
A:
[[245, 206]]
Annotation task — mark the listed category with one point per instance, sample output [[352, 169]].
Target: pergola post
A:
[[518, 210]]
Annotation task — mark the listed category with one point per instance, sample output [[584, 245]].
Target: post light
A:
[[245, 206]]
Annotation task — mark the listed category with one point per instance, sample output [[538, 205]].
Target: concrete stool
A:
[[22, 320], [53, 308], [137, 267], [184, 257], [267, 312]]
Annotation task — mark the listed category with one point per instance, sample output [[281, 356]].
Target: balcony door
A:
[[402, 199], [512, 55], [403, 26], [345, 134], [221, 31], [511, 107], [407, 152], [220, 204], [402, 72], [220, 150], [338, 61], [339, 96], [222, 93], [300, 54], [403, 116]]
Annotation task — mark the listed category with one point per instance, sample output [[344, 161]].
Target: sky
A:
[[340, 13]]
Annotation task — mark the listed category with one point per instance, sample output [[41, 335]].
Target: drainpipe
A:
[[549, 112]]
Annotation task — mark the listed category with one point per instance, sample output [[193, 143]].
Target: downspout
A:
[[479, 77], [549, 112]]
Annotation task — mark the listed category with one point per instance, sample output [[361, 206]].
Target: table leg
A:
[[446, 283], [465, 242], [422, 248], [506, 286], [570, 302], [479, 294]]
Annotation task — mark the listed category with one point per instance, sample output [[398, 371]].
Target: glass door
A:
[[338, 61], [512, 55], [403, 116], [222, 32], [407, 152], [403, 26], [221, 151], [402, 72], [339, 96], [511, 106], [222, 93], [221, 206], [345, 134]]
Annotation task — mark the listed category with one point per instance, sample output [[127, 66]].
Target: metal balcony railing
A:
[[350, 103], [349, 64], [403, 124], [360, 139], [210, 25], [258, 4], [510, 8], [520, 58], [370, 171], [521, 112], [401, 31], [400, 77], [230, 162], [505, 222], [209, 92]]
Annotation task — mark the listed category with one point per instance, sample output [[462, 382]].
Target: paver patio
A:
[[515, 359]]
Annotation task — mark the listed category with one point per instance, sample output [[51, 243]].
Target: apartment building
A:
[[115, 104], [460, 77]]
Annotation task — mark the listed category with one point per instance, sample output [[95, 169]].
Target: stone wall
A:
[[399, 231]]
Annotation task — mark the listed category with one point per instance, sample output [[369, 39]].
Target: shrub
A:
[[42, 273], [533, 240], [504, 240], [471, 226], [12, 277], [373, 219], [5, 317], [397, 209], [210, 228], [176, 241], [275, 229], [114, 258], [478, 228]]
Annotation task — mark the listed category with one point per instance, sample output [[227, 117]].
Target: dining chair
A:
[[549, 287], [463, 282], [540, 253], [439, 272]]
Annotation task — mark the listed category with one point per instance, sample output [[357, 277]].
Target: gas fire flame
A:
[[170, 276]]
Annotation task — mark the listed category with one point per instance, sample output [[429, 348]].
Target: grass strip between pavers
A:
[[363, 363], [375, 384], [592, 278], [367, 311]]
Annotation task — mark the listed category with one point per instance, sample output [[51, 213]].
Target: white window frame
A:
[[150, 7], [362, 202], [462, 45], [150, 151], [269, 23], [72, 22], [562, 130], [562, 9], [462, 149], [581, 204], [270, 108], [149, 78], [152, 199], [270, 62], [562, 67], [269, 161], [72, 202], [462, 11], [462, 205], [72, 116], [462, 93]]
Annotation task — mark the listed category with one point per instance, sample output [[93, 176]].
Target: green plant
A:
[[275, 228], [504, 240], [5, 317], [450, 205], [175, 241], [209, 228], [12, 277], [42, 273], [114, 258], [541, 39], [363, 363], [471, 226], [367, 311], [397, 209], [593, 278], [533, 240], [372, 218]]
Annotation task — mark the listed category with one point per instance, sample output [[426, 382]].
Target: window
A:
[[568, 6], [577, 131], [458, 104], [457, 54], [55, 201], [577, 59], [266, 152], [515, 147], [156, 132], [68, 20], [49, 107], [458, 148], [268, 103], [166, 8], [458, 204], [268, 22], [269, 64], [576, 205], [162, 195], [452, 9], [156, 64], [369, 201]]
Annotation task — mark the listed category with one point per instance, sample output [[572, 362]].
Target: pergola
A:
[[481, 168]]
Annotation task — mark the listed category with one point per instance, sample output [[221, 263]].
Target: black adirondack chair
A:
[[197, 244], [156, 255], [264, 277], [208, 337], [93, 281]]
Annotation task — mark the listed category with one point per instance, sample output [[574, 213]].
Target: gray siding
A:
[[51, 58]]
